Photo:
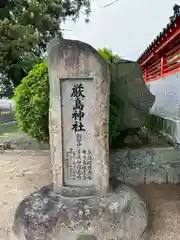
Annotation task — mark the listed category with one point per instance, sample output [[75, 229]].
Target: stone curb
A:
[[159, 165]]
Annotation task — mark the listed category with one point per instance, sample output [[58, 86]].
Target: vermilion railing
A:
[[163, 63]]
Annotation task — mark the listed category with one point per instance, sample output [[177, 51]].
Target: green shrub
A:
[[32, 103], [114, 117]]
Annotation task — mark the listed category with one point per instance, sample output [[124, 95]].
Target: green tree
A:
[[25, 28], [32, 103], [108, 55]]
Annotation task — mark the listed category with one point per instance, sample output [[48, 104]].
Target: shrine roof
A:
[[167, 29]]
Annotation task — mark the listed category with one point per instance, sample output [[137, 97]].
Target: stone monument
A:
[[81, 204], [79, 83], [134, 99]]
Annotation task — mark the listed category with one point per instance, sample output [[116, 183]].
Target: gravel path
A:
[[21, 175], [163, 202]]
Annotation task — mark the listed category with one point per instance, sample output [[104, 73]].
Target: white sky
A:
[[127, 27]]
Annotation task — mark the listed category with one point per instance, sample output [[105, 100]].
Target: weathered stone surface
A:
[[135, 99], [71, 64], [132, 138], [141, 156], [119, 172], [156, 174], [173, 173], [120, 214], [133, 176], [165, 155], [120, 156], [146, 165]]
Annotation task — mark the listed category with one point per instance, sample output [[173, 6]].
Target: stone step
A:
[[146, 165]]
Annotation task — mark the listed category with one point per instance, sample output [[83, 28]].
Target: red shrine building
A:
[[160, 63], [161, 66]]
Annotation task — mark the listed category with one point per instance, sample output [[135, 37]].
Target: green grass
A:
[[7, 130], [4, 113]]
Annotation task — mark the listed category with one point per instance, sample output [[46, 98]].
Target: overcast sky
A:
[[127, 27]]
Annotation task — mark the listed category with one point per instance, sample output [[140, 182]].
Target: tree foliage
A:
[[108, 55], [25, 28], [115, 114], [32, 102]]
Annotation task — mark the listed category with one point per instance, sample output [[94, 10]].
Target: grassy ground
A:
[[8, 129]]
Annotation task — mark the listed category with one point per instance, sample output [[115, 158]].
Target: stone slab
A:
[[166, 155], [173, 173], [78, 116], [140, 156], [120, 157], [78, 136], [134, 176], [146, 165]]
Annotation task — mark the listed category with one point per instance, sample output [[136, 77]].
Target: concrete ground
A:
[[163, 203], [21, 175]]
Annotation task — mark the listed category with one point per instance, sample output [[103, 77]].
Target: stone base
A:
[[120, 215], [146, 165]]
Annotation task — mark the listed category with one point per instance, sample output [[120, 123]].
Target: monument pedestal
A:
[[118, 215]]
